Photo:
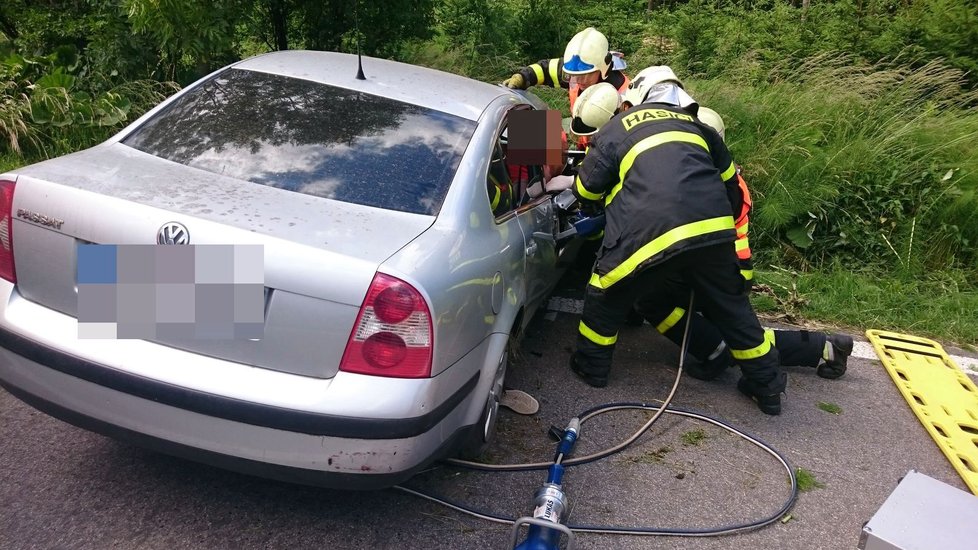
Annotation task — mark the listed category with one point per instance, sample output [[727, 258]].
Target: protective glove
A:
[[559, 183], [515, 82]]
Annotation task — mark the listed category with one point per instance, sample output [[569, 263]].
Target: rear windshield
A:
[[311, 138]]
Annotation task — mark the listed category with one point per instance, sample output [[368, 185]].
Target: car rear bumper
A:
[[271, 424], [329, 461], [361, 480]]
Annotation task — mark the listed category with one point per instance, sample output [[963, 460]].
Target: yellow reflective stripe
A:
[[655, 141], [747, 274], [755, 352], [729, 172], [611, 196], [741, 244], [742, 230], [554, 65], [584, 192], [659, 244], [497, 192], [538, 71], [595, 337], [671, 320]]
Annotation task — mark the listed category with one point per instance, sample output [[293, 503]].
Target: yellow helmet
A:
[[648, 77], [587, 52], [595, 106], [712, 118]]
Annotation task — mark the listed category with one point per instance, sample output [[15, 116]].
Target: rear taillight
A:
[[6, 231], [392, 335]]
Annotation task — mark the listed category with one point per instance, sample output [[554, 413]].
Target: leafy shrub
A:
[[482, 34], [46, 109]]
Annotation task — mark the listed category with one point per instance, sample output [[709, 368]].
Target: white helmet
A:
[[587, 52], [712, 119], [648, 77], [595, 106]]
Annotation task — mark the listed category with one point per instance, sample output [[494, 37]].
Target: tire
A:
[[481, 434]]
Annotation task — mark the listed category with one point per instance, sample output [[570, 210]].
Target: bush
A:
[[47, 109], [865, 163]]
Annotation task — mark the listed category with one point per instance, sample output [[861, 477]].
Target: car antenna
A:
[[356, 19]]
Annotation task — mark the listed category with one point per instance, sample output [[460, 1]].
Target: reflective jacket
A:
[[666, 180], [741, 202]]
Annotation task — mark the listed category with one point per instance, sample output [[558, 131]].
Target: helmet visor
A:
[[576, 65], [669, 93]]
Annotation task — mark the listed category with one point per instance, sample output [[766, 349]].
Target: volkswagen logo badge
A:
[[173, 233]]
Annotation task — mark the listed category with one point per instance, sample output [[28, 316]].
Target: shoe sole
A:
[[519, 402]]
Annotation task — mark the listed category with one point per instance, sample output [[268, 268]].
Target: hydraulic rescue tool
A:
[[581, 224], [549, 502]]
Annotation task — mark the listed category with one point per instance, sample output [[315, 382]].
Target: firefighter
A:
[[827, 353], [586, 61], [644, 164]]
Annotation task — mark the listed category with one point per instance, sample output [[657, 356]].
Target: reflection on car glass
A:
[[311, 138]]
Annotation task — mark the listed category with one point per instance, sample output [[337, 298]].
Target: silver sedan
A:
[[400, 255]]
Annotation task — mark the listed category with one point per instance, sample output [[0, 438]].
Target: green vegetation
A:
[[942, 304], [860, 163], [656, 456], [806, 480], [50, 106], [831, 408], [693, 437]]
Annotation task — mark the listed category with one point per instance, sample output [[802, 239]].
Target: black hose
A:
[[659, 410]]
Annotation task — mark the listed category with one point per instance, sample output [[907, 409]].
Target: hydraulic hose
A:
[[647, 530], [659, 411]]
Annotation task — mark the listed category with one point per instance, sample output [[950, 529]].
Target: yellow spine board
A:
[[942, 396]]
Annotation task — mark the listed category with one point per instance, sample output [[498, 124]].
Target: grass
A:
[[831, 408], [651, 457], [942, 305], [693, 437], [806, 480], [9, 161]]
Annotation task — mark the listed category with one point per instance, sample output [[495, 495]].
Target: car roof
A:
[[446, 92]]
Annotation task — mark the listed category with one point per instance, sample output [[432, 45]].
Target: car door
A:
[[537, 220]]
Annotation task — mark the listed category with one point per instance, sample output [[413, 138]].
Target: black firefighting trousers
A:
[[666, 311], [714, 274]]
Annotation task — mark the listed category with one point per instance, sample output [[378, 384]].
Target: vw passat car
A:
[[399, 254]]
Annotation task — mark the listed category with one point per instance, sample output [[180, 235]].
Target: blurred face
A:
[[582, 81]]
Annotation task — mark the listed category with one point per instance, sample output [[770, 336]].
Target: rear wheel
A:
[[481, 434]]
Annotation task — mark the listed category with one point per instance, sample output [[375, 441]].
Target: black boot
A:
[[841, 350], [593, 376], [769, 404], [634, 318], [711, 368]]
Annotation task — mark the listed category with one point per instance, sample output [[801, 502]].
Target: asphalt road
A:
[[63, 487]]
